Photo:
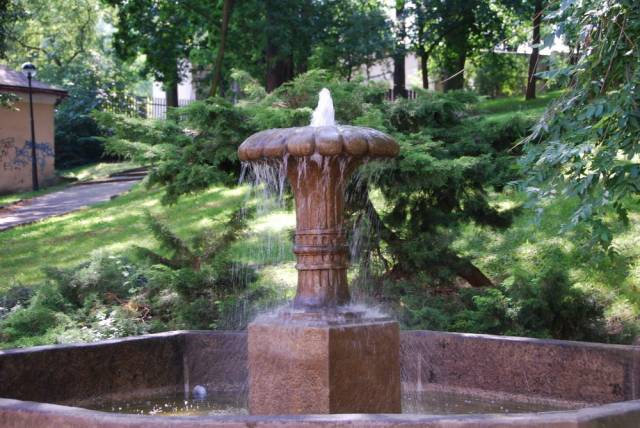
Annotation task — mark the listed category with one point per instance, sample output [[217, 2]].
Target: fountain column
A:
[[321, 356], [320, 244]]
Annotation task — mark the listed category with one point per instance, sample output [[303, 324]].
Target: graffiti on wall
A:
[[21, 156], [6, 149]]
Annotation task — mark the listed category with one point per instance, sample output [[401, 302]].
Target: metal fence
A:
[[392, 96], [156, 108], [143, 107]]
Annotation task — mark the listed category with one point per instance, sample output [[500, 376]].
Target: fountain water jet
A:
[[321, 356]]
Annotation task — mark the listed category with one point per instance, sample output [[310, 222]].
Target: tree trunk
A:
[[535, 52], [399, 84], [172, 93], [279, 72], [454, 73], [462, 267], [424, 67], [574, 56], [280, 69], [469, 272], [217, 69], [422, 52], [270, 59], [455, 59]]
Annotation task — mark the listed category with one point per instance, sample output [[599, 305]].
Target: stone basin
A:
[[601, 383]]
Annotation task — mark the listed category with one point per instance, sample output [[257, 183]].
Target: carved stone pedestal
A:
[[299, 366]]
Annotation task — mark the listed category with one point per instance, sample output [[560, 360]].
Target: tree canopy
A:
[[586, 145]]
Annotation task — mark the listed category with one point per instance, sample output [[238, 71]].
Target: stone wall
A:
[[65, 373], [546, 369], [15, 147]]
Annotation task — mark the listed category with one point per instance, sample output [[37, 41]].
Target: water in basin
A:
[[218, 404]]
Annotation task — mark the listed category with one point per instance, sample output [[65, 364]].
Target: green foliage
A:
[[195, 148], [277, 40], [49, 33], [10, 12], [585, 145], [358, 35], [76, 129], [41, 314], [250, 88], [446, 160], [197, 145], [202, 273], [164, 31], [350, 99], [17, 295], [450, 31], [206, 248], [499, 74], [104, 277], [544, 304], [7, 100], [429, 110], [32, 321], [445, 165], [67, 42]]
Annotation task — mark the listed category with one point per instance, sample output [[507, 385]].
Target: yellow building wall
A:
[[15, 148]]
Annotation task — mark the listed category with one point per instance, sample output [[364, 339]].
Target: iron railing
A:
[[143, 107]]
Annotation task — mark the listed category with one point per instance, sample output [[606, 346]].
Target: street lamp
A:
[[29, 70]]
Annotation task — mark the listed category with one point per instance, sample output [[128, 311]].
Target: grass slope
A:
[[118, 225], [500, 109]]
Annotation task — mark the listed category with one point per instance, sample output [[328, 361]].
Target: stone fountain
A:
[[321, 355]]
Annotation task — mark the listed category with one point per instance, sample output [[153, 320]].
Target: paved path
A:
[[57, 203]]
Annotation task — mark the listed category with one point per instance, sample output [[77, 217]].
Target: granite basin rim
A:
[[22, 414]]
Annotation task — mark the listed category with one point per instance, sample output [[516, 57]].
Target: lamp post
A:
[[29, 70]]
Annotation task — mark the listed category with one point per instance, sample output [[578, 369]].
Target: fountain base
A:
[[321, 365]]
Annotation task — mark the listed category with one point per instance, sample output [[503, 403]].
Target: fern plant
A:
[[206, 248]]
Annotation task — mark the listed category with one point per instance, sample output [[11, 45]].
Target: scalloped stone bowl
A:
[[352, 141], [318, 160]]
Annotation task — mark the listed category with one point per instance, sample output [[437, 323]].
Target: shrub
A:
[[194, 148], [429, 110], [17, 295], [104, 277], [539, 305], [351, 99], [44, 311], [30, 321]]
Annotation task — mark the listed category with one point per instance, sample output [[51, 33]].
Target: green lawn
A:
[[118, 225], [500, 109]]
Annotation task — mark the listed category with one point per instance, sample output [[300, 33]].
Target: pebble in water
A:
[[199, 392]]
